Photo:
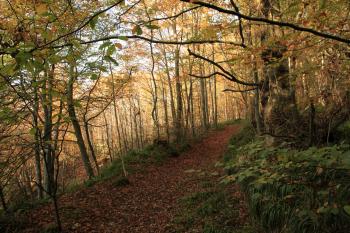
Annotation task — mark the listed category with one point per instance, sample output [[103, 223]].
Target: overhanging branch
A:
[[240, 22], [231, 90], [81, 26], [211, 75], [226, 74], [174, 16], [270, 21], [187, 42]]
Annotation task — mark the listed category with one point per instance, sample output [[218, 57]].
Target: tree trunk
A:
[[108, 138], [166, 116], [114, 96], [75, 123], [49, 162], [155, 116], [90, 144], [214, 97], [257, 101], [203, 101], [178, 122], [37, 159], [172, 102]]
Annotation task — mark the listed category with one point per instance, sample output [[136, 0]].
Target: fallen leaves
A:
[[147, 204]]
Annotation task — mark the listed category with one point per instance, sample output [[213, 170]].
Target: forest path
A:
[[148, 204]]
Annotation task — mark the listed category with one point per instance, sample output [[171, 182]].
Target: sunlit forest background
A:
[[86, 84]]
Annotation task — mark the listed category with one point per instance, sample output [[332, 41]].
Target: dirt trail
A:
[[146, 205]]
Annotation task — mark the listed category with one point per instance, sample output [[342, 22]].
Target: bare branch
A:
[[210, 75], [240, 22], [247, 90], [174, 16], [225, 72], [115, 37]]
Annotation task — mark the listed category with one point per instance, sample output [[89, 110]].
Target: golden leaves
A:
[[118, 45], [41, 9]]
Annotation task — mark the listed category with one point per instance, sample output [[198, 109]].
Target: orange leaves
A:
[[41, 8], [118, 45], [137, 30]]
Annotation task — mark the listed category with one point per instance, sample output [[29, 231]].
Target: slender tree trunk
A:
[[49, 162], [136, 126], [166, 116], [155, 116], [75, 123], [131, 125], [193, 126], [116, 118], [90, 144], [140, 123], [37, 159], [108, 138], [214, 94], [178, 128], [172, 102], [257, 101], [186, 110], [203, 101], [28, 180], [123, 127]]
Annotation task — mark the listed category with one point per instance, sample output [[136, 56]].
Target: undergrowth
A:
[[289, 190], [211, 210], [134, 160]]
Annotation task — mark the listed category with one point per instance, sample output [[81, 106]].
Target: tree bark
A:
[[37, 154], [178, 122], [49, 162], [74, 120], [90, 144]]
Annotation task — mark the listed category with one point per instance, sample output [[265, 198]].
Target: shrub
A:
[[245, 135], [342, 133], [294, 191], [208, 212]]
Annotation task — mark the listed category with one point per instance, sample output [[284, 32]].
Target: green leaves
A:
[[138, 30], [290, 188], [110, 59], [94, 77], [8, 69], [54, 59], [347, 209], [111, 49], [125, 38], [93, 22], [105, 45], [32, 131], [23, 57]]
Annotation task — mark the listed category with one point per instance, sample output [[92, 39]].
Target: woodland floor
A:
[[148, 203]]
